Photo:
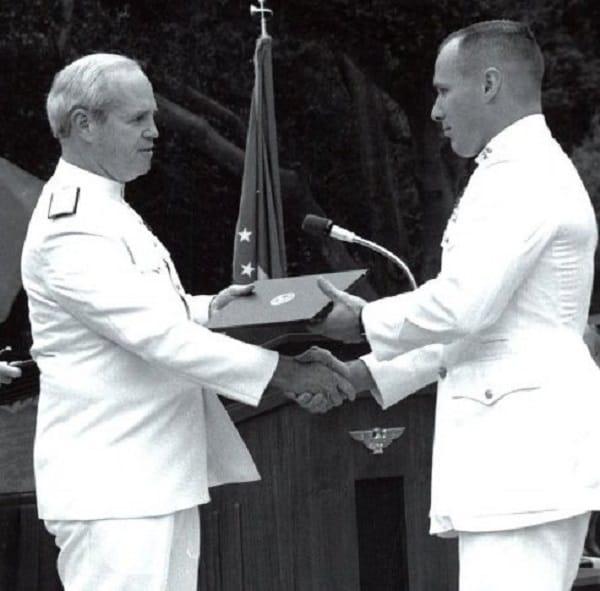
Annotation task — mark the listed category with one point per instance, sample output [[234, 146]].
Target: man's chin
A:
[[463, 151], [138, 173]]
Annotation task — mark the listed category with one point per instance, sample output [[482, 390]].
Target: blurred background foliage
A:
[[353, 95]]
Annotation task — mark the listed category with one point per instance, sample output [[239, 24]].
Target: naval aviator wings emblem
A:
[[377, 439]]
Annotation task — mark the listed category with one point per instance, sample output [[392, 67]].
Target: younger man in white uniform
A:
[[515, 461]]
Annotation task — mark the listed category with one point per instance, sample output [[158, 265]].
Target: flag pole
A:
[[259, 243], [263, 16]]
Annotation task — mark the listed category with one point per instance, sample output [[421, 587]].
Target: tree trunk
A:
[[436, 187], [64, 24], [206, 105], [386, 222], [296, 194]]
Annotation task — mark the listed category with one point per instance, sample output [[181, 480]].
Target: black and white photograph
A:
[[299, 295]]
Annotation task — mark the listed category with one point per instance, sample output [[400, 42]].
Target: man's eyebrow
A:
[[139, 112]]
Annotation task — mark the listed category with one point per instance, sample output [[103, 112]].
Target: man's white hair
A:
[[84, 83]]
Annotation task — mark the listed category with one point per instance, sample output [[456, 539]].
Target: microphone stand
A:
[[319, 226], [389, 255]]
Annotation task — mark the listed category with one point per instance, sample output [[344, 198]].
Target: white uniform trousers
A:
[[537, 558], [144, 554]]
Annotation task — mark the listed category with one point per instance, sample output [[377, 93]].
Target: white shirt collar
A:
[[69, 174], [520, 133]]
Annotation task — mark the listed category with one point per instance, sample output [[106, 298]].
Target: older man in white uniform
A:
[[130, 432], [515, 462]]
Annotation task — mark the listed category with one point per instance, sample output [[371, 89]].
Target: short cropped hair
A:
[[84, 83], [503, 40]]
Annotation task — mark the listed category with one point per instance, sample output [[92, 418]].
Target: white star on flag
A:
[[248, 269], [245, 235]]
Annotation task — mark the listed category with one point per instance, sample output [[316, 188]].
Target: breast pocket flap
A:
[[489, 387]]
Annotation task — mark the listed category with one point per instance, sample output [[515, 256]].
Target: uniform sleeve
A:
[[403, 375], [493, 252], [92, 277], [198, 306]]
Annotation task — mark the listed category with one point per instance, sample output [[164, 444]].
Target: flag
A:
[[259, 247], [19, 192]]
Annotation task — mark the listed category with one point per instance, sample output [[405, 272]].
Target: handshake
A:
[[316, 380]]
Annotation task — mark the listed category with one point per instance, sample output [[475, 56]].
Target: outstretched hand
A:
[[227, 295], [316, 380], [319, 403], [343, 321], [324, 357]]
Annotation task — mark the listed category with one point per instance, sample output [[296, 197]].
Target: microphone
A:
[[324, 227], [320, 227]]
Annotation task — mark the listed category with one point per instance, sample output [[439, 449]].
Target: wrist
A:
[[360, 376], [283, 371], [361, 325], [211, 304]]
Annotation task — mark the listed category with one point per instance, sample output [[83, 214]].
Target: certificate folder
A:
[[280, 310]]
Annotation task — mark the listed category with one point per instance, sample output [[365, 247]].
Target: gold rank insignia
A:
[[63, 202]]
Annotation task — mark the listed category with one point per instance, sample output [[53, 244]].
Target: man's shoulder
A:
[[67, 212], [65, 204], [511, 189], [63, 201], [524, 175], [504, 180]]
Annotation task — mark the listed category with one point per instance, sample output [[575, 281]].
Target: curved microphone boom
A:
[[323, 227]]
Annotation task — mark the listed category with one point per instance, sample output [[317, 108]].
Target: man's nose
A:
[[152, 131], [436, 112]]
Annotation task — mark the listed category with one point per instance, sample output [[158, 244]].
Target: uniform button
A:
[[442, 372], [488, 394]]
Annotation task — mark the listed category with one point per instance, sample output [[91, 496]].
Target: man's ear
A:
[[492, 82], [82, 124]]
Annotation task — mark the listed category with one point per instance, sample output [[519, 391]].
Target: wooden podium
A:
[[328, 514]]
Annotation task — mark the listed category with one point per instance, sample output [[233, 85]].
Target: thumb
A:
[[228, 294], [330, 290], [241, 290], [324, 357]]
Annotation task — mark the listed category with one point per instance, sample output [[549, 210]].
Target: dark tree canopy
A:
[[353, 95]]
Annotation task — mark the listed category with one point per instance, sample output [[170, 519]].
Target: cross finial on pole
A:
[[263, 16]]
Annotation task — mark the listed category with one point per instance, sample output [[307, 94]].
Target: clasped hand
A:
[[316, 380]]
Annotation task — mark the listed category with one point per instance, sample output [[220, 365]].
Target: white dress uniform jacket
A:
[[128, 424], [516, 438]]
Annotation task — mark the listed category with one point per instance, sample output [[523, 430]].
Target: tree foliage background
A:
[[353, 95]]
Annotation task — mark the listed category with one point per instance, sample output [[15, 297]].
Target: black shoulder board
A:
[[63, 202]]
